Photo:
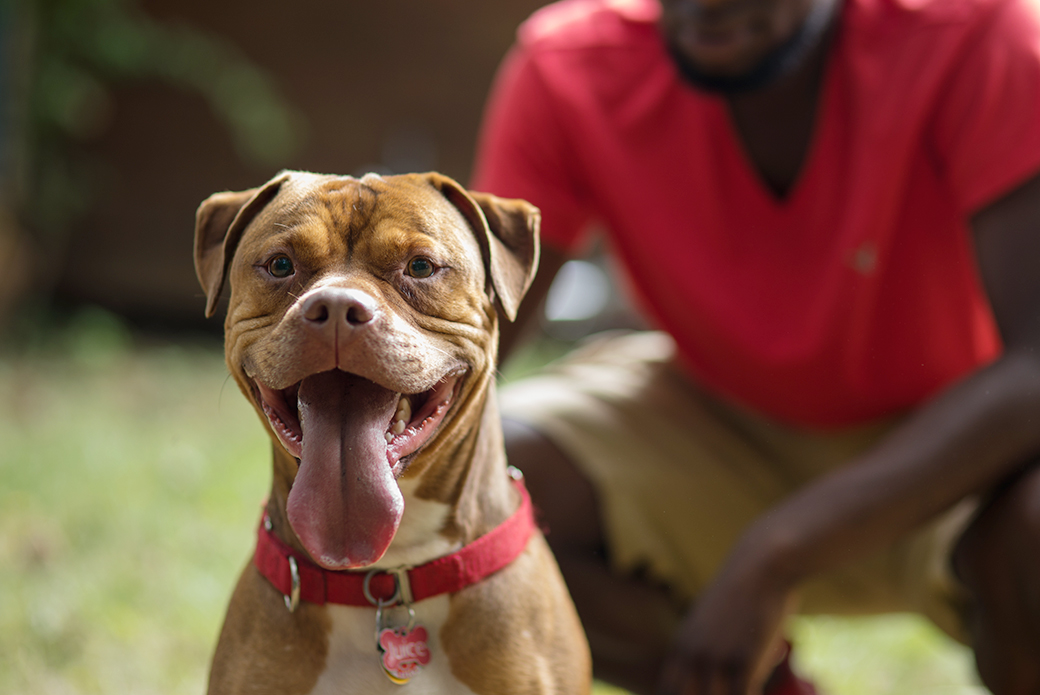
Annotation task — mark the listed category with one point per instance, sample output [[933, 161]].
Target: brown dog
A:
[[362, 326]]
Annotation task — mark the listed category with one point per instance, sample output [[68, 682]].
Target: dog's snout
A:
[[339, 305]]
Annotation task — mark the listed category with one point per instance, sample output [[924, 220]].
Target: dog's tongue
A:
[[344, 504]]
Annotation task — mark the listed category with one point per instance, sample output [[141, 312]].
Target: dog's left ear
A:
[[219, 223], [507, 231]]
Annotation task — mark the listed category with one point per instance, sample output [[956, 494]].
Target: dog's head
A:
[[362, 320]]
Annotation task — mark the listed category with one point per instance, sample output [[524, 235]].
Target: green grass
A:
[[130, 480], [131, 475], [890, 655]]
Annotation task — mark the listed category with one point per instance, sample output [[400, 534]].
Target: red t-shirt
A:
[[854, 297]]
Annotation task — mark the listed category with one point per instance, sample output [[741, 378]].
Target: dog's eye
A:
[[280, 267], [420, 267]]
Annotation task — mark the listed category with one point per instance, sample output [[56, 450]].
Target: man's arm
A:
[[966, 440]]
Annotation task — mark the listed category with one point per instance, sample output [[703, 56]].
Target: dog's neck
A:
[[447, 505], [469, 475]]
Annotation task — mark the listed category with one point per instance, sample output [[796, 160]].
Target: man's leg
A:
[[629, 623], [998, 559]]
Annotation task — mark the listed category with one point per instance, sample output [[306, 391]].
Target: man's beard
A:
[[778, 63]]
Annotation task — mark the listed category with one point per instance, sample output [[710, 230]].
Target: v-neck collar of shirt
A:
[[757, 191]]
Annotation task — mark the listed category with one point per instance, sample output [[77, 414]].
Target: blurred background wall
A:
[[120, 116]]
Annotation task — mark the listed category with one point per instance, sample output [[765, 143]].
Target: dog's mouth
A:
[[352, 438], [415, 418]]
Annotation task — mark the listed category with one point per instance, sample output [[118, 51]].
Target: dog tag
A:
[[404, 652]]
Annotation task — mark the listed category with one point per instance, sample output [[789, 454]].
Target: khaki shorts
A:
[[680, 474]]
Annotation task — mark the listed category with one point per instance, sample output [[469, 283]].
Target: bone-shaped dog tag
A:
[[404, 652]]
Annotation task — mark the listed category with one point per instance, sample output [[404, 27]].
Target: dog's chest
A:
[[353, 663]]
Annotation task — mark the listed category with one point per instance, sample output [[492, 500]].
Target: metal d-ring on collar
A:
[[402, 587], [293, 599], [402, 596]]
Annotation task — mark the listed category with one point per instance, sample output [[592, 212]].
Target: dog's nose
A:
[[339, 305]]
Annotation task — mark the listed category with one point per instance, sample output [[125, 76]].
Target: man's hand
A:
[[732, 639]]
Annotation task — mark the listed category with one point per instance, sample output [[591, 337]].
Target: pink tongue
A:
[[344, 504]]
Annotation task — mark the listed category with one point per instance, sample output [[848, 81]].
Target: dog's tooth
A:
[[389, 437], [404, 409], [398, 427]]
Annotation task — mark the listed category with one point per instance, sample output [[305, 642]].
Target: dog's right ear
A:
[[219, 223]]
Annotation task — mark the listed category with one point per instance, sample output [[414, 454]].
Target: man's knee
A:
[[997, 558], [1010, 521]]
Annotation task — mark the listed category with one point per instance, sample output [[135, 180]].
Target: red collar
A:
[[470, 564]]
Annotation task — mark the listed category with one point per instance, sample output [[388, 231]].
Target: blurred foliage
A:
[[70, 54]]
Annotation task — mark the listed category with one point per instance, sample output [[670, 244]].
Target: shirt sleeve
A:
[[987, 127], [524, 152]]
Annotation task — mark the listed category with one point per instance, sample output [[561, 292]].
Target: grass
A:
[[131, 473]]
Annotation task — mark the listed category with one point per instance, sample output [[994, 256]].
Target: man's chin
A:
[[762, 75], [770, 69]]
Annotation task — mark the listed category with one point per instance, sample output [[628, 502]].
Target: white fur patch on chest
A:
[[418, 539], [353, 663]]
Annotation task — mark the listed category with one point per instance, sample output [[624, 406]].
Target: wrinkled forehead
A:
[[388, 211]]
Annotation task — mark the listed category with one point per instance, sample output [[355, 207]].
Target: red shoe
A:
[[783, 680]]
